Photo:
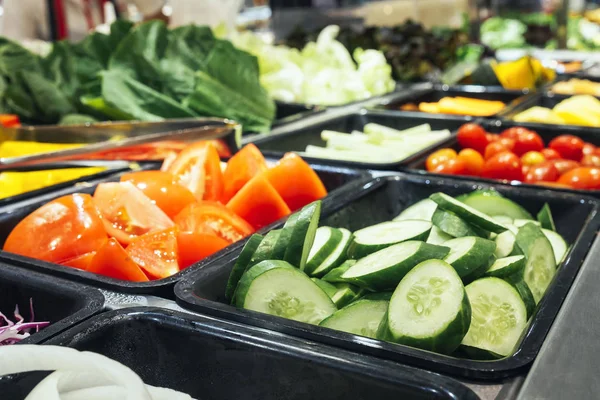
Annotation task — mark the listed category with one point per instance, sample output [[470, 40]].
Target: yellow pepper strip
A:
[[11, 148]]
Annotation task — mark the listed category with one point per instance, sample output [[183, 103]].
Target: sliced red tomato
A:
[[214, 218], [112, 260], [60, 230], [198, 168], [259, 203], [194, 247], [80, 262], [128, 212], [295, 181], [9, 120], [156, 253], [163, 189], [242, 167]]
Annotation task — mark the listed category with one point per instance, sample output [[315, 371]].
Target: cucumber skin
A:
[[320, 257], [356, 251], [377, 296], [241, 263], [505, 272], [295, 248], [354, 293], [341, 260], [479, 192], [488, 225], [335, 275], [479, 272], [252, 273], [546, 219], [353, 304], [453, 225], [284, 237], [327, 287], [376, 282], [475, 260], [517, 212], [526, 296], [265, 248]]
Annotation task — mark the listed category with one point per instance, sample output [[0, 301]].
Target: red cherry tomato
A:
[[550, 154], [528, 141], [565, 165], [438, 157], [492, 137], [525, 169], [568, 146], [544, 172], [504, 165], [588, 148], [473, 161], [472, 136], [582, 178], [514, 133], [591, 160], [499, 146], [453, 166]]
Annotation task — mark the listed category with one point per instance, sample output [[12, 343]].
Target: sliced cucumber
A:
[[479, 272], [526, 296], [429, 309], [384, 269], [546, 219], [326, 241], [506, 244], [346, 294], [437, 236], [541, 264], [498, 316], [264, 251], [479, 192], [468, 254], [335, 275], [337, 256], [304, 229], [360, 318], [277, 288], [559, 246], [453, 225], [285, 236], [503, 219], [422, 210], [522, 222], [468, 213], [376, 237], [507, 267], [493, 205], [241, 263], [325, 286]]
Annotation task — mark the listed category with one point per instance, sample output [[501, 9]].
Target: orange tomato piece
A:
[[194, 247], [156, 253], [113, 261], [242, 167], [80, 262]]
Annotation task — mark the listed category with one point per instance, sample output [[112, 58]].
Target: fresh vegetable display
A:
[[152, 224], [12, 332], [377, 144], [459, 276], [577, 86], [519, 154], [458, 106], [577, 110], [323, 72]]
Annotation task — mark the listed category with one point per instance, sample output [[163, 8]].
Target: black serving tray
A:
[[310, 134], [10, 215], [289, 112], [212, 359], [374, 201], [58, 301]]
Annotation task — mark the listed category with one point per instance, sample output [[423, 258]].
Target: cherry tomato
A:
[[545, 171], [472, 136], [525, 169], [568, 146], [500, 146], [492, 137], [555, 185], [504, 165], [532, 158], [10, 121], [582, 178], [588, 148], [473, 161], [156, 253], [550, 154], [438, 157], [213, 218], [565, 165], [128, 212], [529, 141], [453, 166], [63, 229], [591, 160], [194, 247], [163, 189], [514, 133], [112, 260]]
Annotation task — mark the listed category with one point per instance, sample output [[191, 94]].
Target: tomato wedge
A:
[[213, 218], [296, 181], [198, 168], [156, 253], [60, 230], [242, 167], [194, 247], [163, 189], [112, 260], [80, 262], [258, 203], [128, 212], [221, 147]]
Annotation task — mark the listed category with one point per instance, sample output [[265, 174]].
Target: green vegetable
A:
[[499, 33]]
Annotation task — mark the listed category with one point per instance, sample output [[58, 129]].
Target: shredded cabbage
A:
[[13, 332], [323, 73]]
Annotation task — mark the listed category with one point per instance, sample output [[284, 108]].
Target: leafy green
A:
[[499, 33]]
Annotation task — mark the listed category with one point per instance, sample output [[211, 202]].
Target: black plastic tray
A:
[[58, 301], [546, 132], [212, 359], [10, 215], [297, 140], [288, 112], [379, 200]]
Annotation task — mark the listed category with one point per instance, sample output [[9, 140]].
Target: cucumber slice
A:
[[303, 234], [507, 267], [498, 316], [468, 213], [384, 269], [241, 263], [429, 309], [326, 241], [264, 251], [285, 236], [376, 237], [335, 275], [437, 236], [479, 192], [559, 246], [496, 205], [345, 294], [503, 219], [422, 210], [277, 288], [541, 264], [526, 296], [546, 219], [337, 256], [518, 223], [360, 318], [468, 254], [506, 245], [325, 286], [453, 225], [479, 272]]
